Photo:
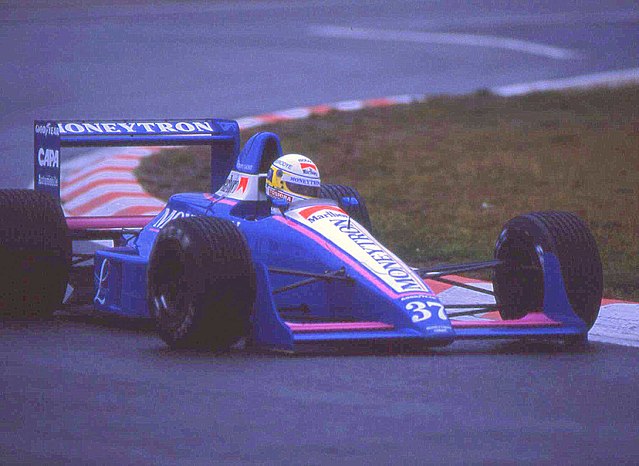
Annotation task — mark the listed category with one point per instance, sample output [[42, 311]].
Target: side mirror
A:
[[281, 204], [350, 202]]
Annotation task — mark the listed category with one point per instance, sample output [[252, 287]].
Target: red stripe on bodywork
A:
[[337, 326]]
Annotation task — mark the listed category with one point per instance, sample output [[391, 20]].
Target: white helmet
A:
[[293, 177]]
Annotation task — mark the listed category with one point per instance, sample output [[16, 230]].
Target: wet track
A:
[[108, 393], [94, 391]]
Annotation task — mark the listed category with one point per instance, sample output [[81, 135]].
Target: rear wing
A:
[[51, 136]]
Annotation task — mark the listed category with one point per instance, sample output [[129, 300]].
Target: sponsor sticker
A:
[[46, 158], [141, 127], [278, 194], [299, 180], [315, 213], [232, 183], [309, 168], [167, 215], [283, 164], [103, 283], [335, 225], [240, 186]]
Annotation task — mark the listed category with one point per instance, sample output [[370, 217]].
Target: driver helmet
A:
[[293, 177]]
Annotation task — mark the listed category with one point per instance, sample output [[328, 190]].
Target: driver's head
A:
[[293, 177]]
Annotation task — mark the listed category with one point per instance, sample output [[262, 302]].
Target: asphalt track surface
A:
[[94, 391]]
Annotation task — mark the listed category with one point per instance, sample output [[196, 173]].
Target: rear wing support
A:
[[51, 136]]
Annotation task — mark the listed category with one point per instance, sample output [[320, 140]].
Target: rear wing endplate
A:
[[51, 136]]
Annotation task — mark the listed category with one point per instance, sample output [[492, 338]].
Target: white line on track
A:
[[608, 78], [444, 38], [528, 19]]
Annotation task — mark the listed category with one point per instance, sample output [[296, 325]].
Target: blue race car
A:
[[213, 268]]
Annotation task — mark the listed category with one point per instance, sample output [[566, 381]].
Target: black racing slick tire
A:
[[359, 212], [519, 286], [35, 254], [201, 283]]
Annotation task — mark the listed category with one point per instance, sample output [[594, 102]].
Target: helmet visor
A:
[[303, 190]]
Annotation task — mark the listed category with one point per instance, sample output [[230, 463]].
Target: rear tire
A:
[[358, 212], [201, 283], [519, 291], [35, 254]]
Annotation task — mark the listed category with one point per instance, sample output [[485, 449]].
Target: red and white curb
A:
[[103, 183], [608, 78]]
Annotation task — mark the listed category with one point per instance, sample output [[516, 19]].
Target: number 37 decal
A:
[[424, 310]]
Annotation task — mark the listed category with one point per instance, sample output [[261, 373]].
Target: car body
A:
[[321, 277]]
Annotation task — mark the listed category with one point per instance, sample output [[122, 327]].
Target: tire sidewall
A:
[[214, 308]]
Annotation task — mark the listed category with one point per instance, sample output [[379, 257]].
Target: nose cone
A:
[[428, 316]]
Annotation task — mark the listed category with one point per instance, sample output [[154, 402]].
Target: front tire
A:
[[201, 283], [519, 289], [359, 212]]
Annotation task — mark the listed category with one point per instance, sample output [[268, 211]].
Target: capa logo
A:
[[167, 215], [48, 158]]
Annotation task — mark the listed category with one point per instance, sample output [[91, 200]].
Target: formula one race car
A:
[[212, 268]]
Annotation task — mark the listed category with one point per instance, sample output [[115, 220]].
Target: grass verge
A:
[[441, 177]]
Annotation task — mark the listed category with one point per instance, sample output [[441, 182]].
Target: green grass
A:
[[441, 177]]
